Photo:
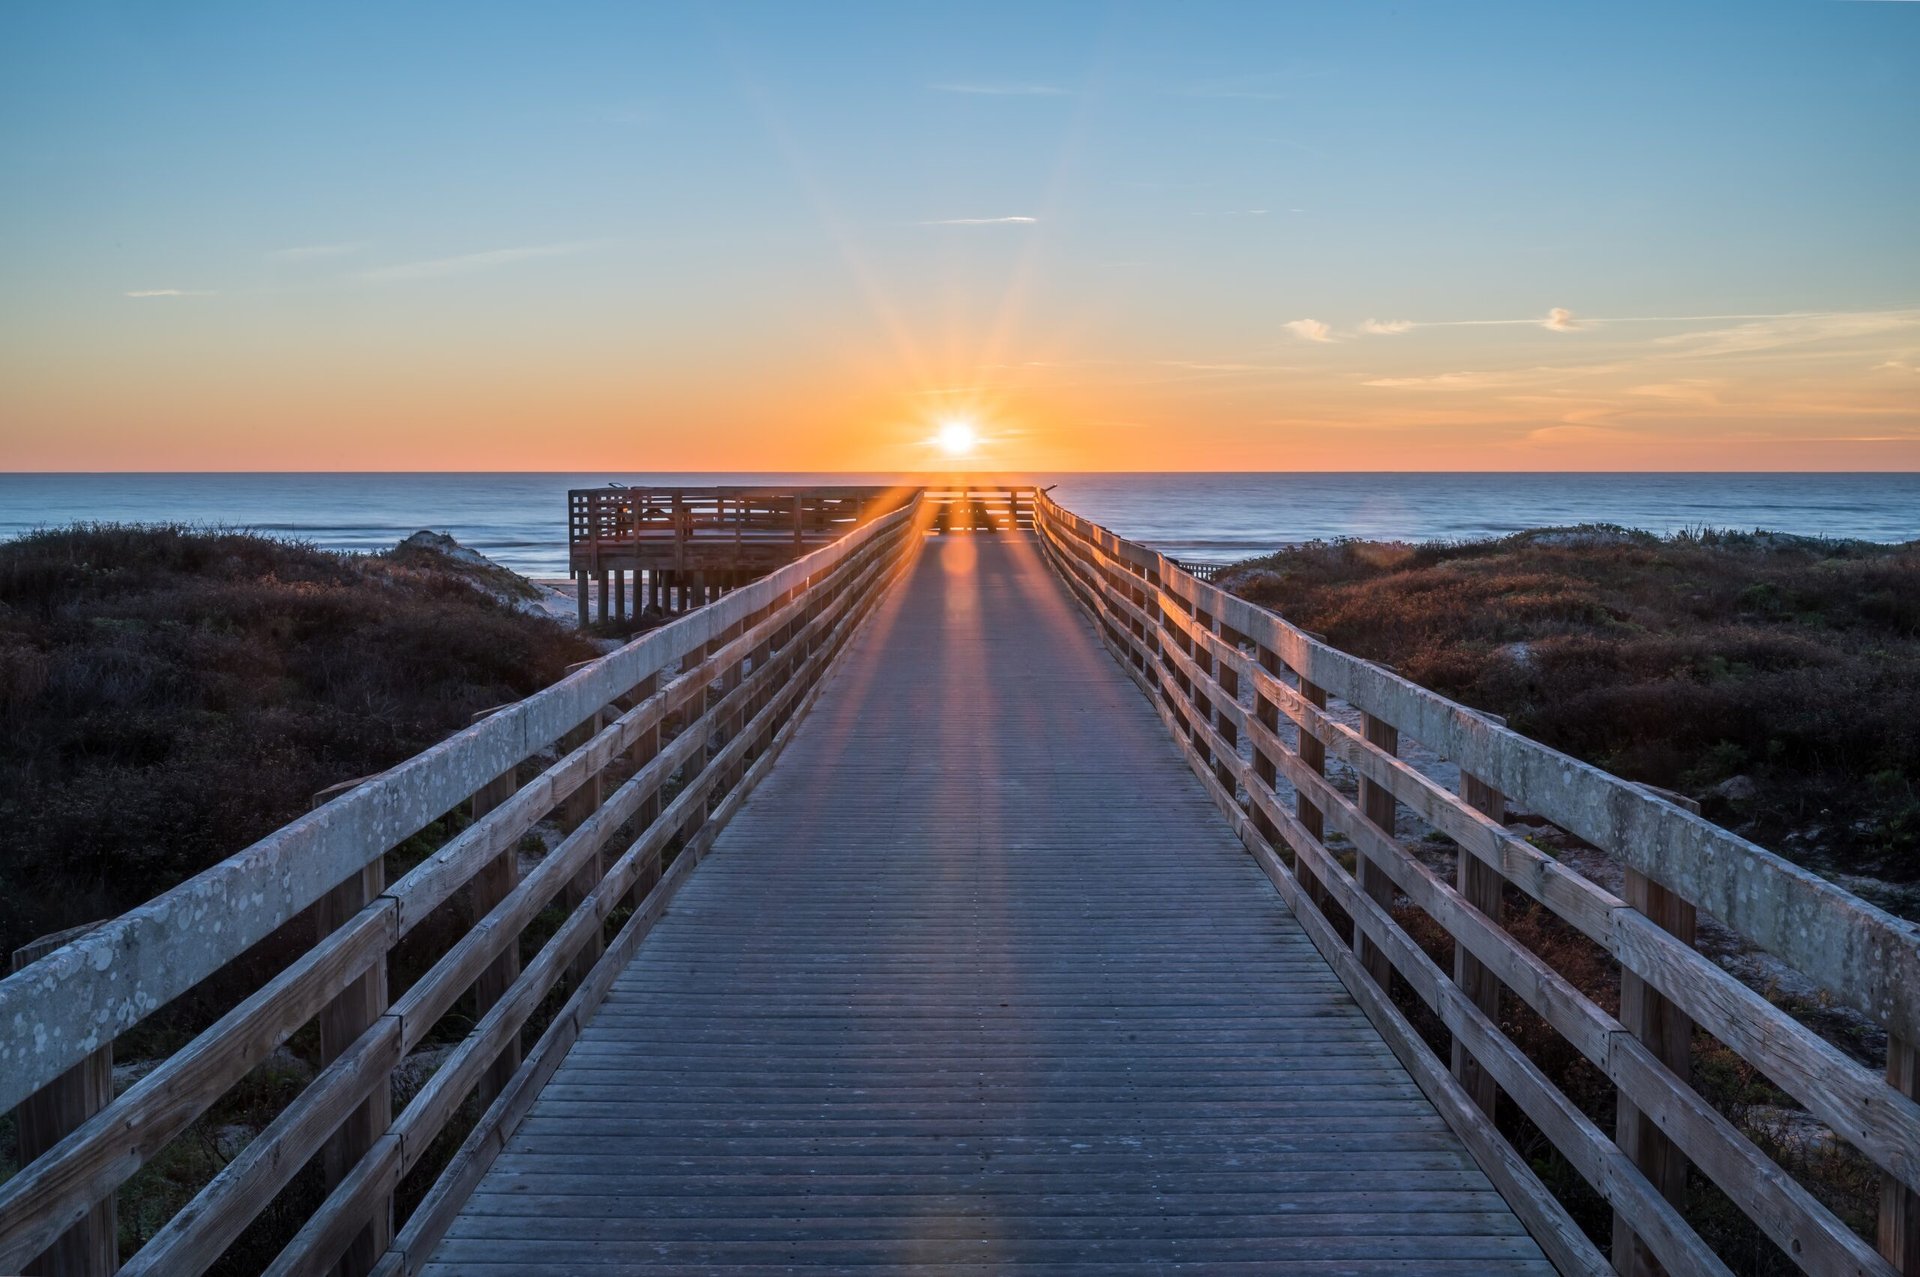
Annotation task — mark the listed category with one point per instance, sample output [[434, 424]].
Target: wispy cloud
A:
[[1309, 329], [468, 263], [1769, 332], [1703, 392], [1005, 90], [171, 292], [307, 252], [1778, 328], [1494, 378], [980, 221]]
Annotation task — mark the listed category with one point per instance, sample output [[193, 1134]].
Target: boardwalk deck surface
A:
[[980, 981]]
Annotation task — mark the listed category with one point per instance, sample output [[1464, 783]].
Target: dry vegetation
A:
[[168, 696], [1775, 678]]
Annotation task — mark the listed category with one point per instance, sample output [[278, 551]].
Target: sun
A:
[[957, 438]]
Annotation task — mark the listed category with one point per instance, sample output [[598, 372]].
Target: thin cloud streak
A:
[[1773, 331], [981, 221], [468, 263], [171, 292], [1309, 329], [1560, 319]]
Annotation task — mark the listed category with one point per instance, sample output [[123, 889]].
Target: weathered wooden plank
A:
[[90, 1247], [88, 1165], [355, 1009]]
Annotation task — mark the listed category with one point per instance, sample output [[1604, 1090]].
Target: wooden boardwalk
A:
[[979, 980]]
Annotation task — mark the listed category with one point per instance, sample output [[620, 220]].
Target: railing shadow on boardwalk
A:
[[641, 757]]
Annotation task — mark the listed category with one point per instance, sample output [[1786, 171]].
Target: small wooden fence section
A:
[[640, 757], [1256, 704], [680, 548]]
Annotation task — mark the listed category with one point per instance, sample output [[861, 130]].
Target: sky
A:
[[1275, 236]]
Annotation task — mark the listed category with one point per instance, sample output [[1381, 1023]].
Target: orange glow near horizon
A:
[[653, 239], [1791, 394]]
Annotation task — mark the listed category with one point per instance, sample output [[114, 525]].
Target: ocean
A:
[[520, 519]]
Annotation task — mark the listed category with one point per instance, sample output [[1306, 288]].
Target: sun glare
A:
[[957, 438]]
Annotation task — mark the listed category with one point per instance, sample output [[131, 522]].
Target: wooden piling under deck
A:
[[978, 981]]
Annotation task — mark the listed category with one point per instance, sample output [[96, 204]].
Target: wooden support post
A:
[[491, 885], [1484, 889], [1265, 769], [1313, 756], [602, 581], [1376, 804], [1667, 1031], [341, 1023], [573, 813], [1229, 679], [1203, 712], [644, 751], [580, 584], [91, 1248], [1900, 1205], [620, 594]]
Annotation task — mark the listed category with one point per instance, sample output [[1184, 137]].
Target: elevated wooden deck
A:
[[978, 979]]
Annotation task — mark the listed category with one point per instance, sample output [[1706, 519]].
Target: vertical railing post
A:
[[1377, 805], [1900, 1205], [1229, 680], [1203, 712], [574, 811], [1484, 889], [91, 1247], [1667, 1032], [1266, 769], [1313, 757], [492, 884], [349, 1015]]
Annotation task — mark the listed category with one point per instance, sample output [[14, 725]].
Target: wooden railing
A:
[[988, 507], [1257, 705], [635, 761], [603, 518]]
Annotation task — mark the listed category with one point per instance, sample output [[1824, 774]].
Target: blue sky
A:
[[1094, 224]]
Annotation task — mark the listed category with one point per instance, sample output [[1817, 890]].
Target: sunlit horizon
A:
[[752, 239]]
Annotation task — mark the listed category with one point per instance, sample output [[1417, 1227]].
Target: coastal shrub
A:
[[1784, 670], [168, 695]]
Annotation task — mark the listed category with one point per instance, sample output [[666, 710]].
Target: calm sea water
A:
[[520, 519]]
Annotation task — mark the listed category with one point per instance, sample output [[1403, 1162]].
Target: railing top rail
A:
[[1865, 955], [67, 1004]]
